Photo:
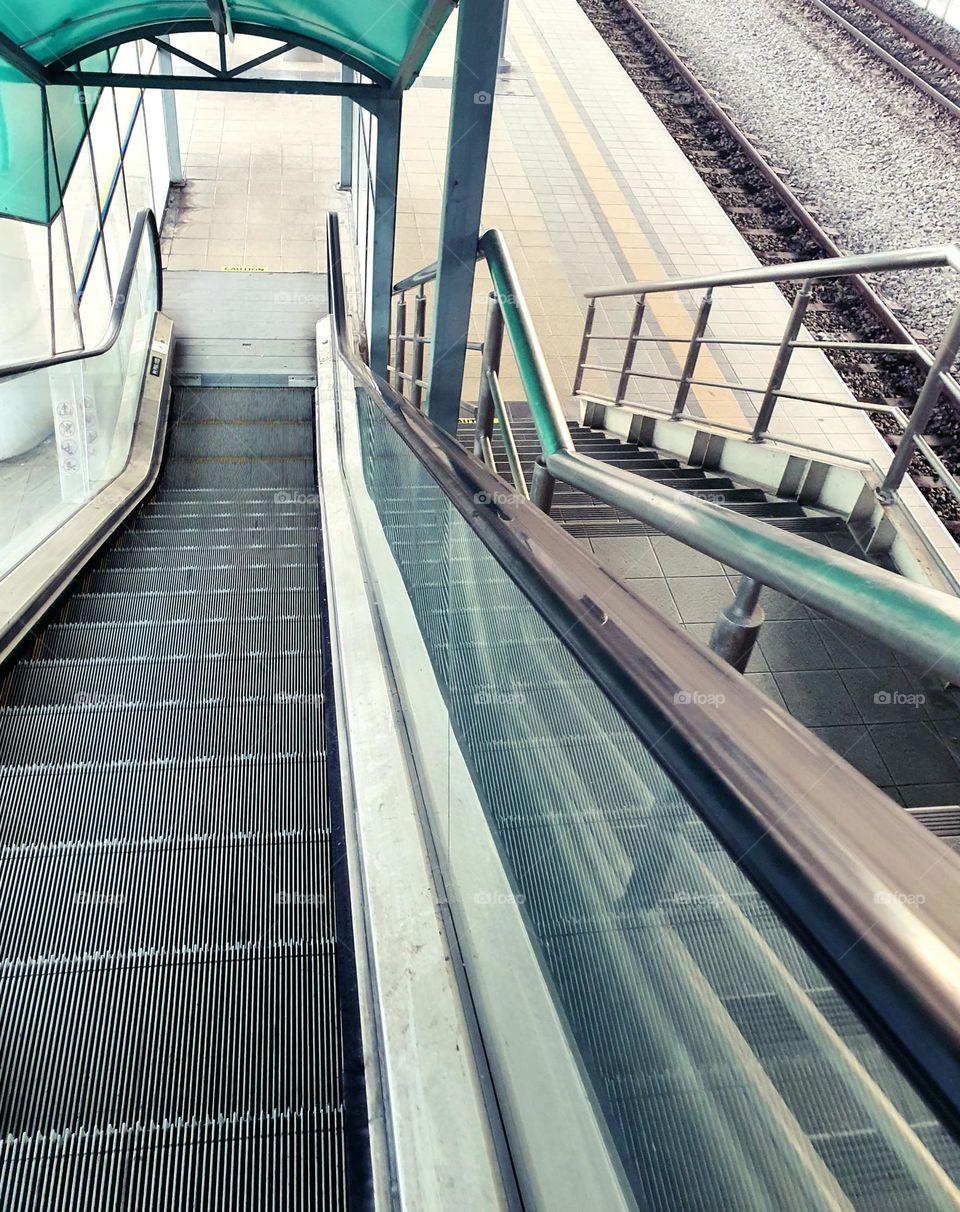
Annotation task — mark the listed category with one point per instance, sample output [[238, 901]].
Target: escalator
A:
[[697, 961], [173, 1012]]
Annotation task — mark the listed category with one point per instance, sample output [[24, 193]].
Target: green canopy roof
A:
[[381, 35], [42, 123]]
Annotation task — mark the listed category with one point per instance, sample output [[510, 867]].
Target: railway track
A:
[[914, 58], [780, 225]]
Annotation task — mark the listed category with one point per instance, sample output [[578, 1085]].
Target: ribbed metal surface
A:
[[726, 1065], [170, 1029]]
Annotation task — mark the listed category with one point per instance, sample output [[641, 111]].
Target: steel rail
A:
[[919, 41], [145, 220], [855, 876], [908, 74]]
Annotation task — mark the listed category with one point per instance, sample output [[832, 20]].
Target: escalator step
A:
[[224, 473], [173, 804], [292, 574], [65, 736], [243, 636], [256, 440], [167, 680], [265, 602]]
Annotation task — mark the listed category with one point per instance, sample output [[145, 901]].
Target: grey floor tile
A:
[[779, 606], [886, 694], [792, 645], [849, 649], [676, 559], [655, 591], [856, 746], [631, 556], [767, 684], [931, 795], [701, 599], [817, 698], [915, 753]]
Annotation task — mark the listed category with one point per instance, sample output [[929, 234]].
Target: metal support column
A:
[[504, 63], [471, 113], [172, 130], [920, 416], [386, 177], [348, 76], [735, 631], [541, 487]]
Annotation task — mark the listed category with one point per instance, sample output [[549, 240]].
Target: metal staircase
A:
[[585, 517]]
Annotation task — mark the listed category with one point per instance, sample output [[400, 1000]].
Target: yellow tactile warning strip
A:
[[718, 404]]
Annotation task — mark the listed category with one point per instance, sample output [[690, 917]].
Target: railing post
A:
[[781, 363], [400, 344], [693, 352], [492, 352], [920, 416], [735, 631], [631, 349], [348, 76], [584, 345], [419, 335], [542, 486]]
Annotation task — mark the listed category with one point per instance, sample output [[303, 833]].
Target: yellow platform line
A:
[[718, 404]]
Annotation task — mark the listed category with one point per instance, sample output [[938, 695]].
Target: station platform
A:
[[587, 186]]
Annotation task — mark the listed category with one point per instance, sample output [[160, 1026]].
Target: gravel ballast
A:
[[878, 160]]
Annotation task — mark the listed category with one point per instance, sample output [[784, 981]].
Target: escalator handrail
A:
[[144, 220], [864, 884]]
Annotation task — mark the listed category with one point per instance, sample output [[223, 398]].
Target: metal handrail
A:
[[145, 219], [928, 257], [858, 878], [921, 623], [936, 367]]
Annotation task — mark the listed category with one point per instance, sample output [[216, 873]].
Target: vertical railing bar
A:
[[399, 342], [506, 432], [584, 345], [781, 362], [693, 352], [419, 331], [630, 352], [922, 410], [492, 353]]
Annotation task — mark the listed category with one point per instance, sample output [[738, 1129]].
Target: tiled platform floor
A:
[[584, 181]]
